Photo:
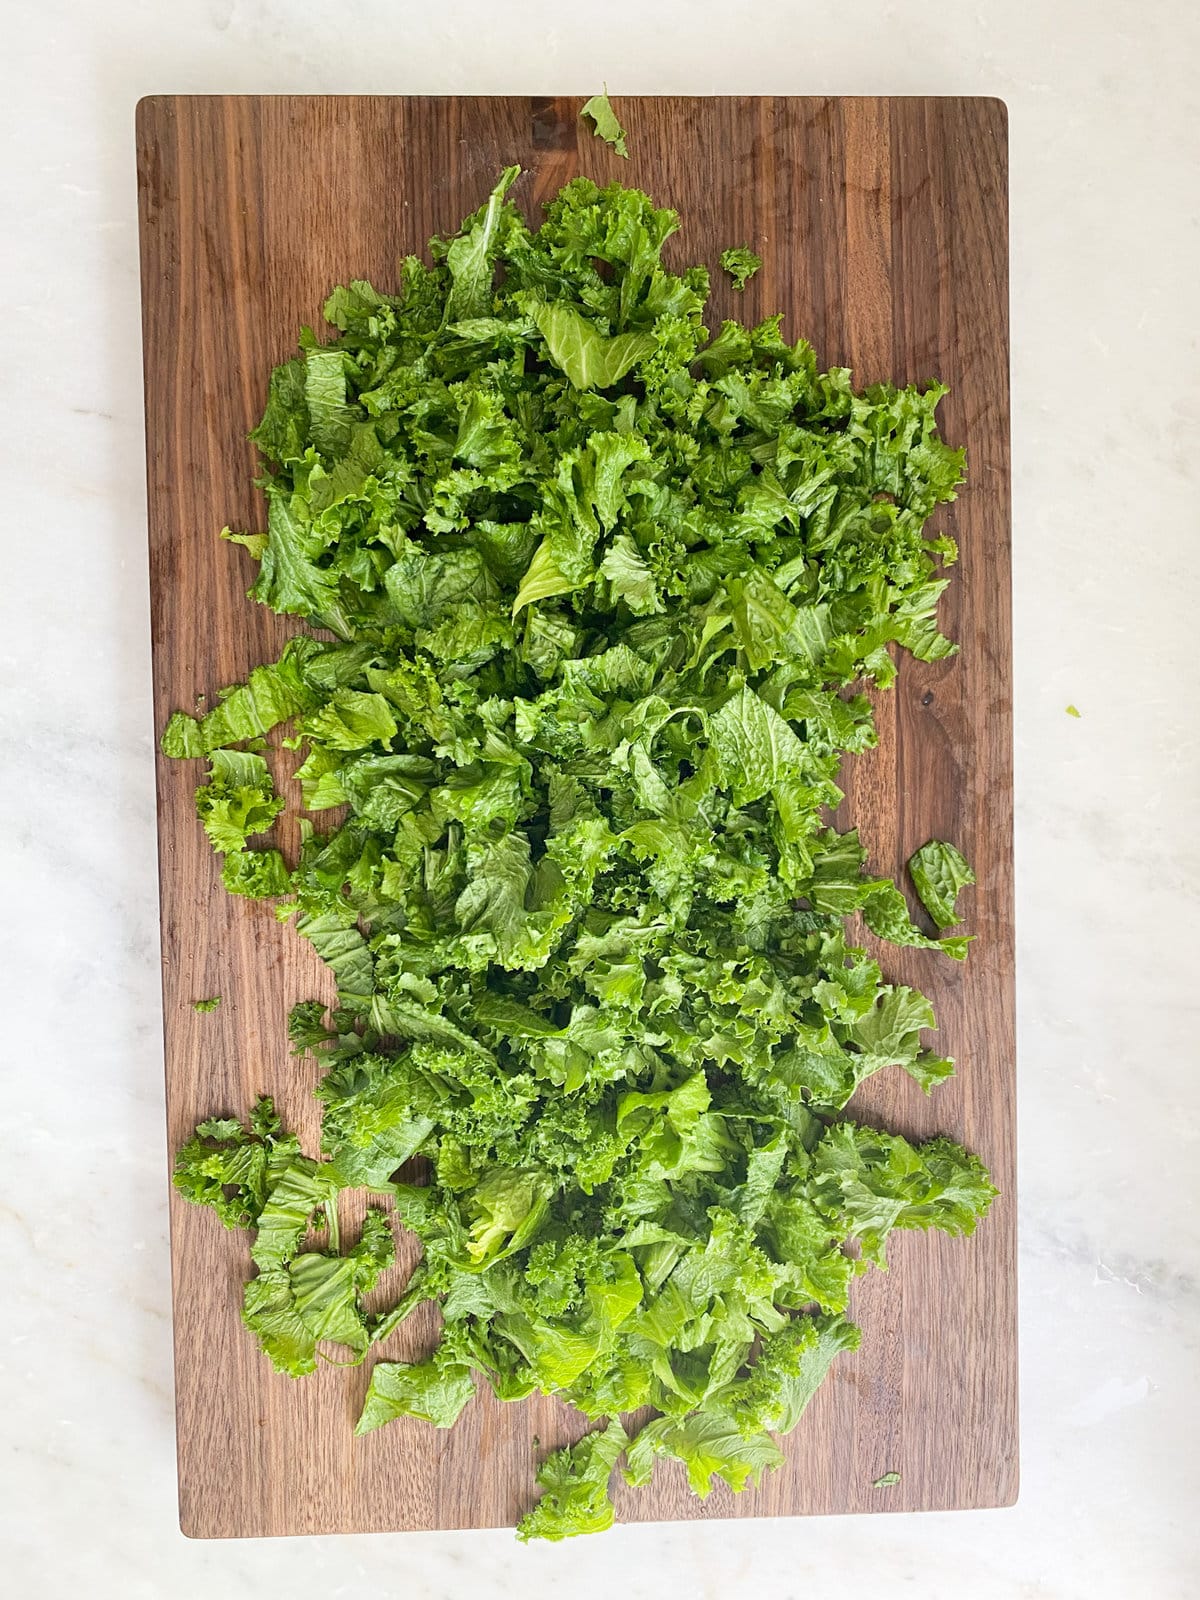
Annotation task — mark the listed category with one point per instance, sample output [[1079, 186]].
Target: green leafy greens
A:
[[605, 125], [940, 873], [741, 263], [594, 597]]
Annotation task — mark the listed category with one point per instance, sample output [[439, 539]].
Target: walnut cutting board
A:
[[883, 230]]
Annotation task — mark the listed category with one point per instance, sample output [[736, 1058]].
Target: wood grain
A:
[[883, 230]]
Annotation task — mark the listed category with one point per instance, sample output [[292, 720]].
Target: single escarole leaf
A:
[[791, 1366], [230, 1167], [325, 393], [886, 914], [472, 256], [758, 748], [350, 720], [436, 1391], [239, 799], [315, 1298], [589, 359], [631, 579], [299, 1190], [940, 873], [256, 874], [741, 263], [542, 580], [269, 696], [254, 542], [589, 607], [710, 1446], [604, 120], [291, 575], [574, 1484]]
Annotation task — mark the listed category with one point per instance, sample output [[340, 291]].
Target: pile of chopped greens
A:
[[593, 597]]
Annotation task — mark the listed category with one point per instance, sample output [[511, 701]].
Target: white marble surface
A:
[[1104, 103]]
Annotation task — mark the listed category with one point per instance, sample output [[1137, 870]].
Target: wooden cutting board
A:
[[882, 225]]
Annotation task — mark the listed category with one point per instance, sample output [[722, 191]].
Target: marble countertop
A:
[[1106, 391]]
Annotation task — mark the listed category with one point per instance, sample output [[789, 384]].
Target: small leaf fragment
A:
[[604, 122]]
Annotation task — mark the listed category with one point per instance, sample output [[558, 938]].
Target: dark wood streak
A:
[[883, 228]]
